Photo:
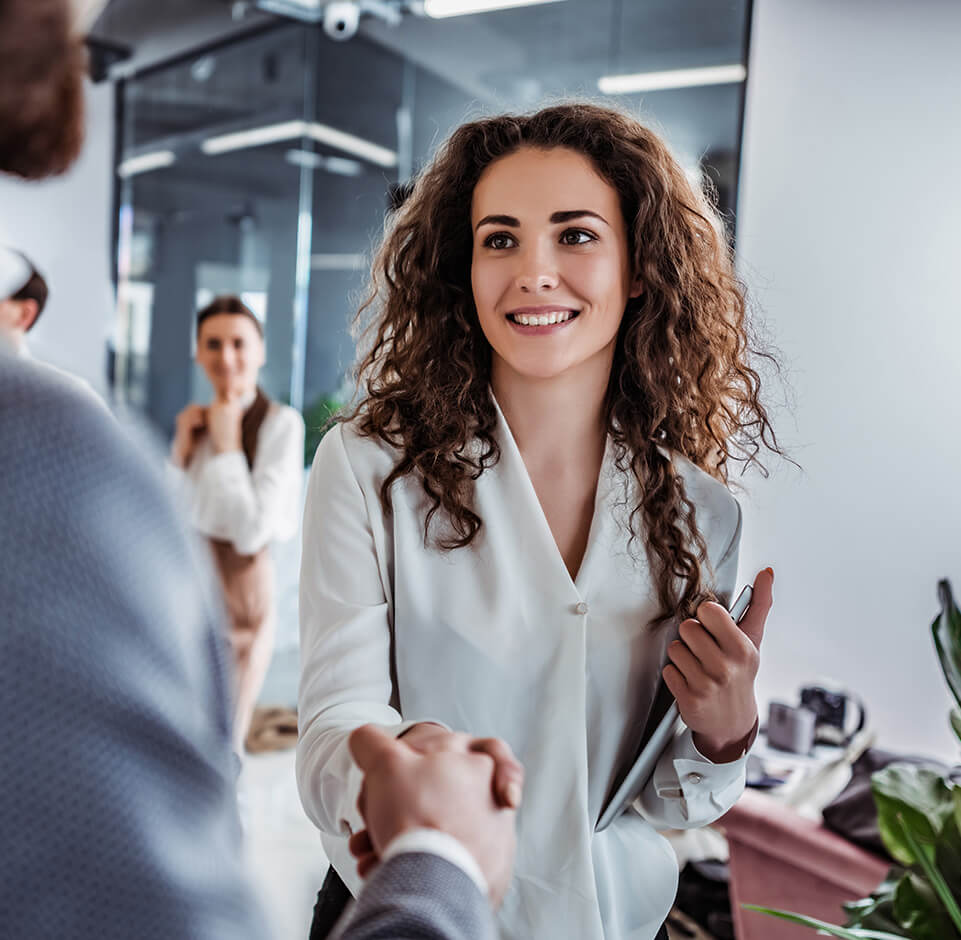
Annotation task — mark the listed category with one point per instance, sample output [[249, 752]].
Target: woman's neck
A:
[[556, 422]]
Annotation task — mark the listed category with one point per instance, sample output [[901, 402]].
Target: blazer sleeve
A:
[[687, 790], [418, 896], [344, 640]]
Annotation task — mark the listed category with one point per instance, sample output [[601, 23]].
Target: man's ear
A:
[[29, 311]]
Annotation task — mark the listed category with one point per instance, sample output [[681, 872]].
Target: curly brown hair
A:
[[681, 381], [42, 64]]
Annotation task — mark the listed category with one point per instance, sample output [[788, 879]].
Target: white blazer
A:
[[497, 639]]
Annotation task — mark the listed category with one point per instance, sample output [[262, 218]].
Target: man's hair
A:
[[228, 303], [42, 64], [36, 290]]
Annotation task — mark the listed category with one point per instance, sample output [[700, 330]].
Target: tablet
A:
[[663, 719]]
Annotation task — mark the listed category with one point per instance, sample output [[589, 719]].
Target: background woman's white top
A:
[[225, 499], [496, 639]]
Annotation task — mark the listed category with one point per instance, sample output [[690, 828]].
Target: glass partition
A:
[[265, 167]]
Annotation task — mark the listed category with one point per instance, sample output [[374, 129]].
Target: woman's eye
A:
[[576, 236], [499, 241]]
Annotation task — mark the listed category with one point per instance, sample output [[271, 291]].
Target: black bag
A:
[[853, 814]]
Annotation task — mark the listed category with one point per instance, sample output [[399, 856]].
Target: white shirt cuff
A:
[[435, 842]]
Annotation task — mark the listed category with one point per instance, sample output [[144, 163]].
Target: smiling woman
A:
[[525, 523]]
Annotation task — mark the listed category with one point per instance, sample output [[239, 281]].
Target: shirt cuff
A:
[[697, 780], [435, 842]]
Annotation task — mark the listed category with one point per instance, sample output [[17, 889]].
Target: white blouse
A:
[[497, 639], [226, 499]]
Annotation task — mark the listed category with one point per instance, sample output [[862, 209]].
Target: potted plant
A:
[[919, 815]]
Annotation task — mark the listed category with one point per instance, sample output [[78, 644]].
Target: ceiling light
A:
[[309, 10], [290, 130], [145, 162], [674, 78], [253, 137], [443, 8], [342, 166]]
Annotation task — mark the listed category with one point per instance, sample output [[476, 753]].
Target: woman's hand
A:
[[712, 671], [190, 423], [508, 781]]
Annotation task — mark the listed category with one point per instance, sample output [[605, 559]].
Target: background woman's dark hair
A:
[[42, 64], [228, 303], [681, 379]]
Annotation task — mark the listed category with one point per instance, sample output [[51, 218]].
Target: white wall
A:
[[850, 235], [64, 226]]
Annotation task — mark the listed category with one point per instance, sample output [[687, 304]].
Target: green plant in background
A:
[[317, 417], [919, 815]]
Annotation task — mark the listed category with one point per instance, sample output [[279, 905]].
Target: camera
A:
[[791, 729], [341, 20]]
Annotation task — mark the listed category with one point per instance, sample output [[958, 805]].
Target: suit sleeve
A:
[[418, 896]]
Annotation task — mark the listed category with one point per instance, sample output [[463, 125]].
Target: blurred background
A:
[[255, 147]]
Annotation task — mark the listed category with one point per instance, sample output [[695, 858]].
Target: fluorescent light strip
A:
[[342, 262], [146, 162], [289, 130], [254, 137], [675, 78], [439, 9]]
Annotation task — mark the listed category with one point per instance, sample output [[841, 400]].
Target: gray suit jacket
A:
[[118, 815], [417, 896]]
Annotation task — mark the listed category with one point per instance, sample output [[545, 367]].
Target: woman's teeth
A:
[[542, 319]]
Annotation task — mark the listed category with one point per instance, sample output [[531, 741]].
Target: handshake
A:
[[430, 778]]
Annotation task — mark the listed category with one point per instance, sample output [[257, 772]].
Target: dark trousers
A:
[[334, 897]]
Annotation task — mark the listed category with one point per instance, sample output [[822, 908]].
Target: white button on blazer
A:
[[497, 639]]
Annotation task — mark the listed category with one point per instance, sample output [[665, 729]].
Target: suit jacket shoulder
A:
[[121, 779]]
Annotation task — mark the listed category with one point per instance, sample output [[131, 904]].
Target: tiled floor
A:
[[286, 855]]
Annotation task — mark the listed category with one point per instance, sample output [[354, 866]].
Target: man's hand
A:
[[712, 671], [191, 423], [508, 781], [223, 425], [448, 789]]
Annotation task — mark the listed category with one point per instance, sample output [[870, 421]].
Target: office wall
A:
[[64, 225], [849, 234]]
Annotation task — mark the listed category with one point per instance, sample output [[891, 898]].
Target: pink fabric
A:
[[780, 859]]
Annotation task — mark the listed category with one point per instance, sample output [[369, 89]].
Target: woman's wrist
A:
[[724, 751]]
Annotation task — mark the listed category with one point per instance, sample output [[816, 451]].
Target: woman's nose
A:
[[536, 272]]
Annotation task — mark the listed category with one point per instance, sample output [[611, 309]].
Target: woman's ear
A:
[[637, 287]]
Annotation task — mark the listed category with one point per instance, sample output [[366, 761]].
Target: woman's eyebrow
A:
[[556, 217], [572, 214], [507, 220]]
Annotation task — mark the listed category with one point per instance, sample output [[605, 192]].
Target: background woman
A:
[[531, 496], [241, 459]]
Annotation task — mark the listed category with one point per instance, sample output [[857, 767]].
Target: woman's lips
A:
[[533, 321]]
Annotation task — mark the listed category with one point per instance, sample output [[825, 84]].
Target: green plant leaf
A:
[[947, 851], [917, 910], [917, 794], [877, 910], [955, 718], [946, 630], [938, 883], [823, 927]]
